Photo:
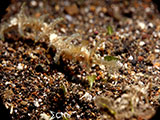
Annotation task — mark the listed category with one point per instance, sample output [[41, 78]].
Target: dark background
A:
[[3, 5]]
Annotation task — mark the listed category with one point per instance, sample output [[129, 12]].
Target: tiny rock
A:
[[142, 25], [140, 58], [72, 9], [92, 8], [142, 43], [156, 64], [20, 66], [87, 96], [24, 102]]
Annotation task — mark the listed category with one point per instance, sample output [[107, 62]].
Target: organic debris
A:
[[133, 102], [109, 30], [91, 80]]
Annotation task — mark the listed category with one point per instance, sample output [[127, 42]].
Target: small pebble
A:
[[24, 102], [140, 58], [142, 43], [134, 62], [87, 96], [20, 66], [69, 18], [130, 58], [141, 25], [157, 50], [44, 116], [36, 103], [72, 9]]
